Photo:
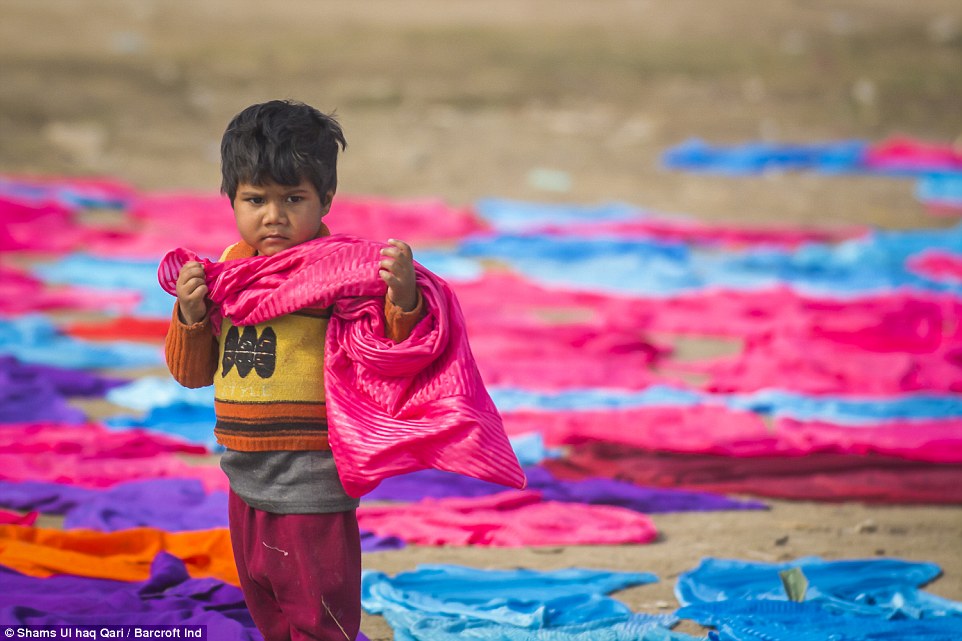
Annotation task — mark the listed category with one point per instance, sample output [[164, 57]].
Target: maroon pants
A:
[[300, 573]]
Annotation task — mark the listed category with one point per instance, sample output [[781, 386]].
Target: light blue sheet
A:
[[851, 599], [513, 216], [113, 275], [35, 339], [771, 402], [759, 157], [441, 602], [875, 263], [150, 392], [940, 189], [194, 423]]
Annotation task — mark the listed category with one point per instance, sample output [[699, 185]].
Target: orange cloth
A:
[[125, 555]]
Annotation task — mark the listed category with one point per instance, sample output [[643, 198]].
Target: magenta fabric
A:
[[697, 232], [718, 430], [91, 439], [15, 518], [507, 519], [938, 265], [392, 408], [904, 154], [513, 352], [95, 457], [419, 222], [77, 469], [704, 428], [300, 573]]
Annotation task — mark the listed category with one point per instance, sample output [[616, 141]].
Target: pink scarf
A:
[[391, 408]]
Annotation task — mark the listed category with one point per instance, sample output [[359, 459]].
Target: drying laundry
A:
[[507, 519], [167, 597], [813, 477], [847, 599]]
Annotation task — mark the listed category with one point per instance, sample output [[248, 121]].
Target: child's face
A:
[[273, 217]]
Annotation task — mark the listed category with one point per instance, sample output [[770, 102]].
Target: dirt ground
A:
[[549, 100]]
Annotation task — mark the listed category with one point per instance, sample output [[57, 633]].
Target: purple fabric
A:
[[171, 504], [168, 597], [37, 393], [167, 504], [596, 491], [67, 382]]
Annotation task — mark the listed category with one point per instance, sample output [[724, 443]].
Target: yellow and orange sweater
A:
[[268, 378]]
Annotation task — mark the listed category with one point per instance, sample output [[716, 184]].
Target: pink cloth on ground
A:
[[937, 265], [14, 518], [710, 429], [908, 154], [507, 519], [391, 408]]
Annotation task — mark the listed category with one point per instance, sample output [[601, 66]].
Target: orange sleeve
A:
[[191, 351], [399, 322]]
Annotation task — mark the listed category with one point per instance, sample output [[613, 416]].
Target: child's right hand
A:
[[191, 293]]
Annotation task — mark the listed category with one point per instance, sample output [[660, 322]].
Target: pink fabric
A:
[[881, 345], [935, 441], [908, 154], [937, 265], [514, 352], [28, 227], [90, 440], [420, 222], [700, 428], [13, 518], [392, 408], [705, 234], [718, 430], [508, 519], [96, 472]]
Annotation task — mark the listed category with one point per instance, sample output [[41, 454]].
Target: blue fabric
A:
[[150, 392], [940, 189], [449, 266], [855, 599], [71, 196], [873, 263], [194, 423], [35, 339], [112, 275], [774, 402], [759, 157], [439, 602], [511, 216], [789, 621], [530, 448], [512, 399]]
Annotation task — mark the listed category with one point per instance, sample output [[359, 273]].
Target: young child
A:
[[293, 528]]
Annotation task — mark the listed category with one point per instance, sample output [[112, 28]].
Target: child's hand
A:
[[397, 270], [191, 290]]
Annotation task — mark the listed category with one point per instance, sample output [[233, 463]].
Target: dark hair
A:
[[283, 141]]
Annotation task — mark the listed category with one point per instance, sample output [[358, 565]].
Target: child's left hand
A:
[[397, 270]]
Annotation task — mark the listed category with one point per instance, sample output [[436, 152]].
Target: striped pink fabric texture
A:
[[392, 408]]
